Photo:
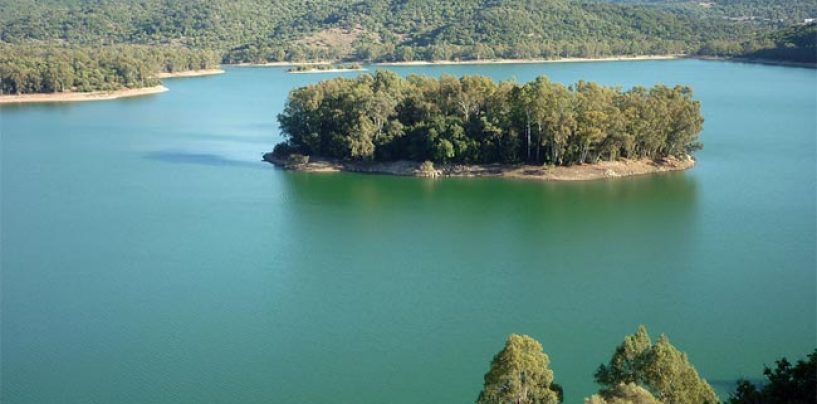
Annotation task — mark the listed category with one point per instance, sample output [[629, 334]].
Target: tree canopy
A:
[[384, 30], [660, 368], [52, 69], [520, 374], [476, 120], [785, 384], [794, 44]]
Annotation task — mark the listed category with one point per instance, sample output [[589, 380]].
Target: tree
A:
[[660, 368], [519, 374], [786, 384]]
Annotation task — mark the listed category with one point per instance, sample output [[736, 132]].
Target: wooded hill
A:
[[392, 30]]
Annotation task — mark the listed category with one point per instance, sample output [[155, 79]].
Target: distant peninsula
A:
[[474, 126]]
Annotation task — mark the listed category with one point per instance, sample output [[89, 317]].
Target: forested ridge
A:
[[392, 30], [473, 119]]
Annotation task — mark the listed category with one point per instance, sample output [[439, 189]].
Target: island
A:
[[475, 126]]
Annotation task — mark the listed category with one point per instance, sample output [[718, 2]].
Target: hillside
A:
[[374, 30]]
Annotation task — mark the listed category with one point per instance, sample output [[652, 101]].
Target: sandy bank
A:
[[519, 61], [585, 172], [189, 73], [75, 97]]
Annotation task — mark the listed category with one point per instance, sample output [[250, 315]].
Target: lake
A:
[[149, 256]]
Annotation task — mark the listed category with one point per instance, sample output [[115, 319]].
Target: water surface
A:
[[148, 256]]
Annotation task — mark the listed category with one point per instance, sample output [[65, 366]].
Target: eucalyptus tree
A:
[[660, 368], [520, 374]]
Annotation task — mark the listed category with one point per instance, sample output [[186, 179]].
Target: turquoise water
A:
[[148, 256]]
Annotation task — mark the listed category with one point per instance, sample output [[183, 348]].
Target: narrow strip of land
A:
[[533, 61], [313, 71], [285, 64], [470, 62], [190, 73], [77, 96], [787, 63]]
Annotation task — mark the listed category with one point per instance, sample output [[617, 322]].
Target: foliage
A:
[[427, 167], [519, 374], [51, 69], [236, 31], [377, 30], [629, 393], [660, 368], [795, 44], [786, 384], [476, 120]]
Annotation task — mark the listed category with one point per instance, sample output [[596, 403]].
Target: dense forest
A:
[[640, 371], [392, 30], [52, 69], [794, 44], [768, 12], [476, 120]]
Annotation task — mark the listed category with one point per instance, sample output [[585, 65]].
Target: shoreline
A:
[[329, 71], [533, 61], [469, 62], [189, 73], [76, 97], [584, 172], [284, 64], [759, 61], [530, 61]]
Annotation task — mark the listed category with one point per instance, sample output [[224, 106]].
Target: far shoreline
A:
[[77, 96], [623, 58], [582, 172], [315, 71], [189, 73], [758, 61], [534, 60]]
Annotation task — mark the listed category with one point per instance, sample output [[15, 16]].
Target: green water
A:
[[148, 256]]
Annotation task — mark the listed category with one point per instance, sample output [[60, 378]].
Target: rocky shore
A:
[[582, 172]]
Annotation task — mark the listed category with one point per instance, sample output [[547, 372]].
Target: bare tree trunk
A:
[[528, 133]]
